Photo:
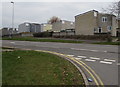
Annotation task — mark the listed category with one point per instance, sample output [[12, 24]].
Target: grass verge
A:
[[41, 40], [38, 68], [108, 43]]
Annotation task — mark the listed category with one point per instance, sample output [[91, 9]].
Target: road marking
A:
[[75, 49], [105, 62], [78, 58], [94, 50], [90, 60], [84, 49], [82, 56], [118, 64], [105, 51], [109, 60], [12, 42], [95, 58], [70, 55]]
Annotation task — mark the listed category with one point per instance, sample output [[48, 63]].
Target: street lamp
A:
[[12, 17]]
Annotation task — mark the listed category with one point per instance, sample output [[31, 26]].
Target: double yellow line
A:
[[98, 81]]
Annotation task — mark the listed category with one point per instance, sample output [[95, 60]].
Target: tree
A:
[[53, 19], [114, 8]]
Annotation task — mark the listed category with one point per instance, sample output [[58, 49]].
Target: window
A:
[[109, 28], [104, 19], [99, 30], [27, 25], [63, 22], [95, 14], [71, 23], [44, 25], [95, 30]]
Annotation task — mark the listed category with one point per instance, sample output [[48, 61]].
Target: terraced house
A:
[[93, 22], [29, 27], [62, 25]]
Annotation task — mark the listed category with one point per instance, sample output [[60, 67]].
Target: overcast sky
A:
[[41, 12]]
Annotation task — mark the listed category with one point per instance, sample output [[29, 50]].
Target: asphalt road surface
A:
[[102, 59]]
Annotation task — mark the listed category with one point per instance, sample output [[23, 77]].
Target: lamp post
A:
[[12, 17]]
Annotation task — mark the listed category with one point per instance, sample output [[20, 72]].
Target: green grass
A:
[[41, 40], [38, 68], [108, 43]]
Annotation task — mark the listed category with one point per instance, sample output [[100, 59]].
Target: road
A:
[[102, 59]]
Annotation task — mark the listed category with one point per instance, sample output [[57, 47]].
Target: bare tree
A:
[[53, 19], [114, 8]]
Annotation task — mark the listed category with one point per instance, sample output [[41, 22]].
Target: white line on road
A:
[[105, 51], [95, 58], [94, 50], [75, 49], [78, 58], [118, 64], [109, 60], [105, 62], [70, 55], [90, 60], [82, 56], [85, 49], [12, 42]]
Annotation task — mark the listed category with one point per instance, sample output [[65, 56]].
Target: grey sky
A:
[[40, 12]]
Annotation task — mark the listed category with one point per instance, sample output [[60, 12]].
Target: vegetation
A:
[[41, 40], [38, 68], [54, 19], [108, 43]]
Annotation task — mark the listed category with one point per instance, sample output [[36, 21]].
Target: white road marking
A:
[[78, 58], [105, 62], [75, 49], [70, 55], [105, 51], [118, 64], [90, 60], [82, 56], [88, 50], [109, 60], [12, 42], [94, 50], [95, 58], [85, 49]]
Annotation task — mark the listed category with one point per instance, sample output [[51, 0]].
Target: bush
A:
[[84, 37], [43, 34]]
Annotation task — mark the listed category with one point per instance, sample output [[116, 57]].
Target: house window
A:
[[63, 22], [27, 25], [71, 23], [99, 30], [109, 28], [104, 19], [95, 30], [95, 14]]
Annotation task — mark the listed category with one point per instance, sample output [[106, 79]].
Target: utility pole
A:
[[12, 18], [119, 10]]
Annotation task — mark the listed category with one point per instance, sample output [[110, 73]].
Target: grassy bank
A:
[[108, 43], [38, 68], [41, 40]]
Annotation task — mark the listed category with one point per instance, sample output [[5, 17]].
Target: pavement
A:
[[98, 62]]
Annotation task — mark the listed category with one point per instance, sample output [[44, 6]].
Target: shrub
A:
[[43, 34]]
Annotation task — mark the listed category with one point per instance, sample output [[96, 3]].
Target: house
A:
[[93, 22], [29, 27], [62, 25], [8, 31], [118, 29], [46, 27]]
